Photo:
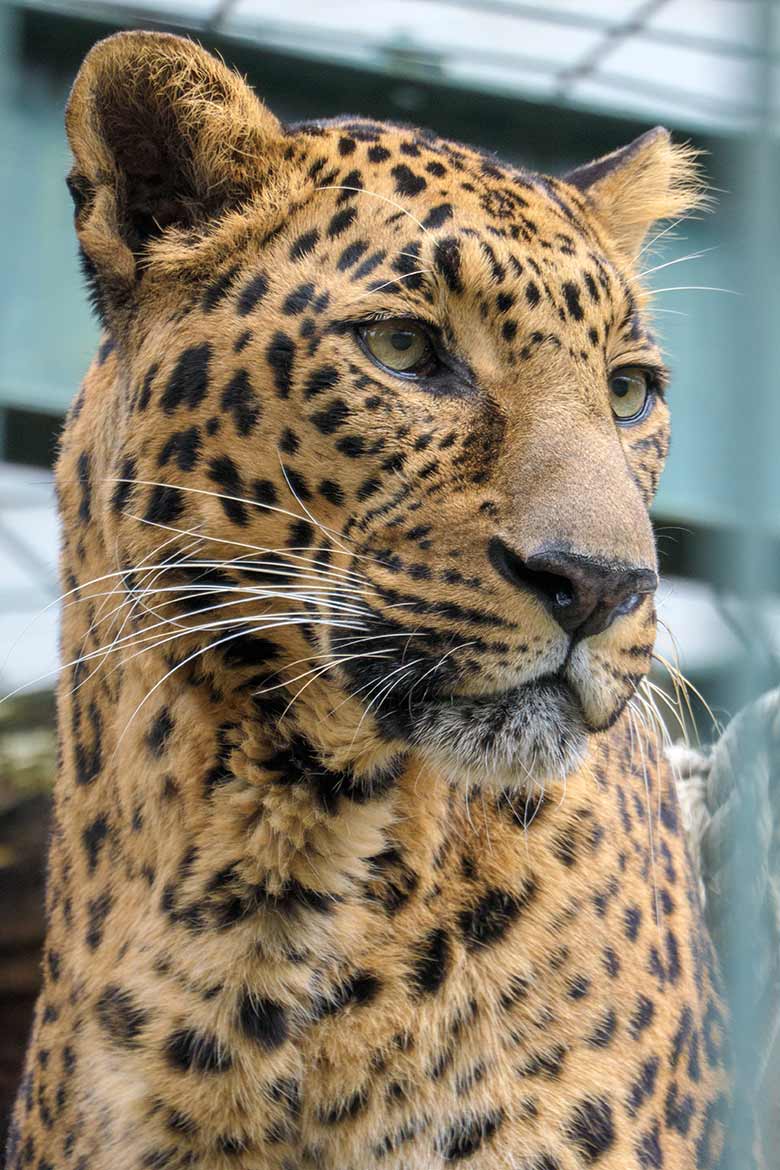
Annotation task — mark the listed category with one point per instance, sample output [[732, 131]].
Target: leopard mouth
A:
[[534, 732]]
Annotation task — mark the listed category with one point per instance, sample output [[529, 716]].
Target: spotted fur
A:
[[358, 861]]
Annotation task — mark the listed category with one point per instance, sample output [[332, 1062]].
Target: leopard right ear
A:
[[164, 137]]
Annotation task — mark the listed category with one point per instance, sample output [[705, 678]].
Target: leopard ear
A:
[[632, 188], [163, 136]]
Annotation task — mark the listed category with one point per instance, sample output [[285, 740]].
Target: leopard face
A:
[[403, 403]]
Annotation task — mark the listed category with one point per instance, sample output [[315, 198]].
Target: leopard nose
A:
[[582, 594]]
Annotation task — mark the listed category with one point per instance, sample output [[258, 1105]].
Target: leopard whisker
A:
[[199, 653], [248, 548], [376, 195], [677, 260], [634, 712]]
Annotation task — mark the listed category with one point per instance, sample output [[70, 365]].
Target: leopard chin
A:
[[532, 734]]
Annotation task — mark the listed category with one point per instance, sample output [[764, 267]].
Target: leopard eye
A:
[[630, 393], [403, 347]]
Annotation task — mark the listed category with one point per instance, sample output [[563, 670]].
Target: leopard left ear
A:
[[165, 138], [632, 188]]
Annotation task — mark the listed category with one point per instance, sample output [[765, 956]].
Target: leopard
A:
[[363, 856]]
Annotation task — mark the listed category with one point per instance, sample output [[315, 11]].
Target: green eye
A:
[[403, 347], [630, 393]]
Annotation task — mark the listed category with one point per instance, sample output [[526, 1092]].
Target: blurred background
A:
[[546, 85]]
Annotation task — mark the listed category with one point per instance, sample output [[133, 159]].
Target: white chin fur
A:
[[534, 733]]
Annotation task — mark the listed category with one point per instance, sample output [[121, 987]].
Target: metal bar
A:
[[631, 26], [125, 13]]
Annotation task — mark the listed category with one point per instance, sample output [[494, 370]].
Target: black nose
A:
[[583, 595]]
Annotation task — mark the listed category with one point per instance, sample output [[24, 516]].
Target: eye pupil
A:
[[401, 341]]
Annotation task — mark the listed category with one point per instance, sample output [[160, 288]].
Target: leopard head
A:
[[387, 416]]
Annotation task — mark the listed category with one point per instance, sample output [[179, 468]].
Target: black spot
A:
[[299, 299], [603, 1033], [407, 265], [120, 1017], [240, 399], [322, 379], [369, 488], [438, 216], [672, 957], [545, 1064], [218, 290], [345, 1109], [242, 341], [678, 1109], [347, 146], [183, 447], [611, 962], [189, 382], [669, 817], [369, 265], [298, 483], [649, 1149], [304, 245], [633, 919], [124, 487], [159, 732], [592, 1129], [252, 294], [406, 181], [192, 1051], [643, 1087], [352, 445], [351, 255], [509, 330], [89, 761], [289, 441], [353, 183], [341, 221], [263, 1020], [333, 416], [572, 294], [281, 355], [446, 257], [487, 921], [466, 1136], [378, 154], [430, 967], [98, 910], [713, 1032], [93, 837], [578, 987], [165, 504], [225, 474], [264, 491], [504, 302], [643, 1015], [360, 990], [532, 294], [331, 491], [146, 389], [85, 483]]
